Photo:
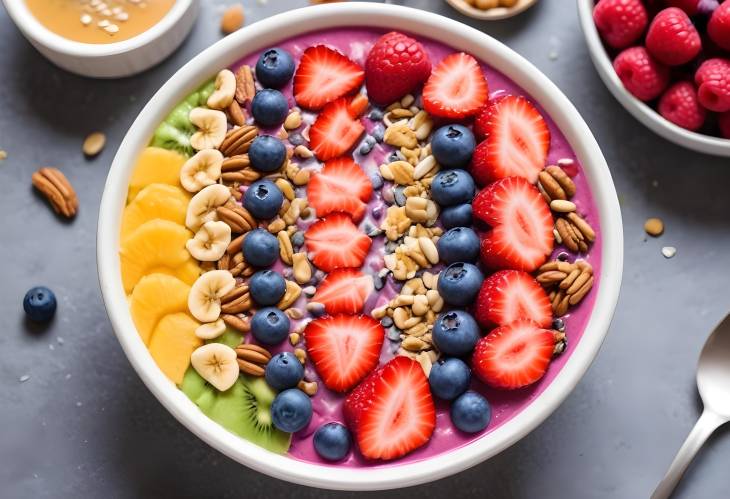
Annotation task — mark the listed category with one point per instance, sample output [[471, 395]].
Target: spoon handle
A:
[[708, 422]]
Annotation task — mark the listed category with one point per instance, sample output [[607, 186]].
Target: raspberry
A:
[[620, 22], [641, 74], [395, 66], [689, 6], [679, 105], [713, 83], [723, 120], [719, 26], [672, 38]]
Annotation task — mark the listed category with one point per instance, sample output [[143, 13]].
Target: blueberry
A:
[[459, 215], [291, 410], [375, 115], [270, 325], [267, 153], [263, 199], [459, 283], [260, 248], [452, 146], [451, 187], [455, 332], [460, 244], [269, 107], [274, 68], [332, 441], [470, 412], [449, 378], [284, 371], [266, 287], [40, 304]]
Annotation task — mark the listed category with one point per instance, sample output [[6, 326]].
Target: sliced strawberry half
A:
[[509, 295], [391, 413], [337, 129], [517, 141], [514, 355], [335, 242], [456, 88], [344, 291], [323, 76], [341, 186], [344, 348]]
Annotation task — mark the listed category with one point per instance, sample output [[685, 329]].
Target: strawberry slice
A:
[[522, 235], [509, 295], [344, 291], [323, 76], [517, 141], [514, 355], [336, 129], [341, 186], [456, 88], [344, 348], [391, 413], [335, 242]]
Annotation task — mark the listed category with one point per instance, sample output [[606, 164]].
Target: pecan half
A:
[[245, 88], [57, 189], [567, 283], [554, 184], [239, 323], [238, 140], [252, 359]]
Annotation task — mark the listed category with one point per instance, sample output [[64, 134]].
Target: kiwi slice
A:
[[230, 338], [175, 131]]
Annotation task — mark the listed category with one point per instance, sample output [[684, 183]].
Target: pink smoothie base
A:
[[505, 405]]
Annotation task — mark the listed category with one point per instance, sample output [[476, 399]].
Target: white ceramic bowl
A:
[[641, 111], [112, 60], [267, 33]]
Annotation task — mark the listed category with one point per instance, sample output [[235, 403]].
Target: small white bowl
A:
[[111, 60], [493, 14], [384, 17], [641, 111]]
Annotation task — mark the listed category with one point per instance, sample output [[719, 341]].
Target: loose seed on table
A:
[[232, 19], [654, 227], [94, 143]]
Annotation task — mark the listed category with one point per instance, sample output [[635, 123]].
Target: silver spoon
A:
[[713, 382]]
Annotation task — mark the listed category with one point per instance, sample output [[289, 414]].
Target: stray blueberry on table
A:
[[39, 304]]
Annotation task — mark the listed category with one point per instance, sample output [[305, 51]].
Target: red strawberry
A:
[[456, 88], [391, 413], [344, 348], [719, 26], [341, 186], [323, 76], [517, 141], [620, 22], [336, 129], [641, 74], [514, 355], [672, 38], [713, 84], [344, 291], [679, 105], [395, 66], [723, 120], [508, 295], [335, 242], [522, 225]]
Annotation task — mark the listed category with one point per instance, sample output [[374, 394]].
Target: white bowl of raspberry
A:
[[675, 85]]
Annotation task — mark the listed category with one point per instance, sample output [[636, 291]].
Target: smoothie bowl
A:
[[358, 258]]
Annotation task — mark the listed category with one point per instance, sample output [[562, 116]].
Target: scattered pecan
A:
[[238, 140], [245, 88], [252, 359], [56, 188]]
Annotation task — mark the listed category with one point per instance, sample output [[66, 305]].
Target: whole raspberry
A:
[[723, 120], [719, 26], [641, 74], [395, 66], [672, 38], [689, 6], [713, 84], [620, 22], [679, 105]]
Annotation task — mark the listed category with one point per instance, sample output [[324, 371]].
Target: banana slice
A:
[[204, 300], [211, 330], [225, 89], [201, 208], [216, 363], [210, 242], [212, 128], [201, 170]]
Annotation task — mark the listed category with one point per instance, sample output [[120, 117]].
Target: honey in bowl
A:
[[99, 21]]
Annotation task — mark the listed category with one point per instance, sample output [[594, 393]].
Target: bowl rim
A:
[[292, 23], [640, 110], [34, 30]]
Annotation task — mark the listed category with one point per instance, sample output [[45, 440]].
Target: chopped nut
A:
[[302, 268], [303, 152], [429, 249], [232, 19], [286, 251], [402, 172], [654, 227], [94, 143], [400, 135], [293, 121], [301, 355], [308, 387], [292, 293], [294, 339], [562, 206]]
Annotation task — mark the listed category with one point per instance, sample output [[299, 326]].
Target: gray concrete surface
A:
[[84, 425]]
